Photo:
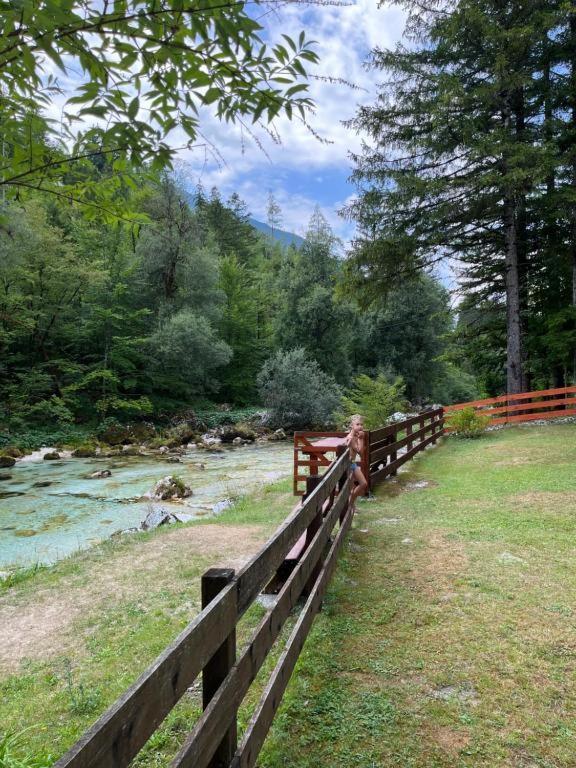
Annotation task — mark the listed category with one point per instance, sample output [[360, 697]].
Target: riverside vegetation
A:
[[104, 322]]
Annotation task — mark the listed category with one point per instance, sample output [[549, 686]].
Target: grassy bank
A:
[[448, 637], [75, 636]]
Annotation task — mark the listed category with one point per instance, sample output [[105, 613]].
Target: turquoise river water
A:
[[49, 509]]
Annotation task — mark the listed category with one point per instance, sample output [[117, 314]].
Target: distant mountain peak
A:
[[286, 238]]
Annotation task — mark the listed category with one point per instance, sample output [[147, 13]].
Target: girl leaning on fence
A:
[[355, 443]]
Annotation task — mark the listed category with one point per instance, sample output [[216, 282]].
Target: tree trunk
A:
[[521, 234], [514, 377], [573, 180], [514, 351]]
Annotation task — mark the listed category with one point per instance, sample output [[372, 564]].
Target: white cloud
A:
[[345, 36]]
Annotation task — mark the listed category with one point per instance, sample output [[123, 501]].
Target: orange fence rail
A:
[[524, 406]]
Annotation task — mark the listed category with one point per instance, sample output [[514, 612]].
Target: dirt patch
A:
[[39, 625], [440, 564], [517, 461], [418, 485], [450, 741], [543, 499]]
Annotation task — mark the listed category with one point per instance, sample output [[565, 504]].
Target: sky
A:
[[303, 172]]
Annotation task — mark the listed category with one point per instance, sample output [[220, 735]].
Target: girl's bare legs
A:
[[358, 490]]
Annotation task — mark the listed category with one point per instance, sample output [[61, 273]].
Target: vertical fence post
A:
[[438, 427], [296, 463], [311, 483], [215, 671], [340, 450], [408, 433], [365, 462], [393, 454]]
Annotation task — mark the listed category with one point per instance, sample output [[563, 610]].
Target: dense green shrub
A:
[[297, 393], [30, 439], [374, 399], [467, 422]]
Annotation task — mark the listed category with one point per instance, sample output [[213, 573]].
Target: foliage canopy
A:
[[123, 76]]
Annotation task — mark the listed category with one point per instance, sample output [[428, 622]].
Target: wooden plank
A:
[[214, 580], [529, 406], [297, 549], [534, 416], [376, 435], [308, 435], [261, 720], [200, 745], [126, 726], [259, 570], [509, 398], [311, 485]]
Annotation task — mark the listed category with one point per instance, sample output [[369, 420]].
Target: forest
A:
[[126, 292], [188, 309]]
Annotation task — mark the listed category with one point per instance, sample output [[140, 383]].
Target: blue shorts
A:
[[353, 466]]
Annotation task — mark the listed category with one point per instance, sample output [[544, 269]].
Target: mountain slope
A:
[[286, 238]]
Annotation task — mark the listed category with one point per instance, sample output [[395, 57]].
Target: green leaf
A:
[[133, 108]]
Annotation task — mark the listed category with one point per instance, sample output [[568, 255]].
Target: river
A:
[[49, 509]]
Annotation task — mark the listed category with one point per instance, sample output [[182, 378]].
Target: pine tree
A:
[[457, 154]]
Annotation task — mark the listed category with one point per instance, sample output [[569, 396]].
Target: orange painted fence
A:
[[525, 406]]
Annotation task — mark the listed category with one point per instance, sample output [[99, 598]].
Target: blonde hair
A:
[[356, 417]]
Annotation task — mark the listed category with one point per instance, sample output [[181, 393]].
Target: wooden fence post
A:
[[311, 483], [339, 452], [408, 433], [394, 454], [365, 462], [216, 670]]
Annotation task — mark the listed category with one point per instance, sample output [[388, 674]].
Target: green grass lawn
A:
[[128, 599], [448, 637]]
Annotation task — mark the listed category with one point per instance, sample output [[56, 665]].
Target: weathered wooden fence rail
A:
[[526, 406], [208, 646]]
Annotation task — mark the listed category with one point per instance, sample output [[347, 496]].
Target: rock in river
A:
[[100, 474], [171, 487], [155, 518], [6, 461], [51, 456]]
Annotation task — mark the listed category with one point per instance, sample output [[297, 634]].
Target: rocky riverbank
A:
[[145, 438]]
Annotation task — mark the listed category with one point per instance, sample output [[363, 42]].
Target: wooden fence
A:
[[208, 646], [526, 406], [393, 445], [385, 449]]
